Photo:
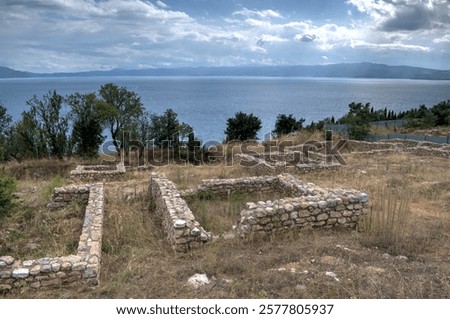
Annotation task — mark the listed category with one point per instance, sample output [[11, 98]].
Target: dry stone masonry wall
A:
[[93, 173], [304, 204], [63, 196], [279, 162], [183, 231], [74, 270], [308, 205], [418, 148]]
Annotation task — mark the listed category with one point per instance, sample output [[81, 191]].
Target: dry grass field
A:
[[401, 250]]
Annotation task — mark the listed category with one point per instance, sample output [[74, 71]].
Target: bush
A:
[[7, 188]]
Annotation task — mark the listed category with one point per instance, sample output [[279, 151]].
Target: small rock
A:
[[7, 259], [402, 258], [300, 287], [323, 204], [195, 232], [332, 274], [198, 280], [28, 263], [179, 224]]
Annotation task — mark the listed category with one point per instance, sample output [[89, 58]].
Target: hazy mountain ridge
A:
[[343, 70]]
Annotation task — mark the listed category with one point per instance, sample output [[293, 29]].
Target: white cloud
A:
[[162, 4], [268, 38], [389, 46], [61, 35], [263, 14]]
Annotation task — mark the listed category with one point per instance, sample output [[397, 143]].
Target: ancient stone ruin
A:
[[182, 230], [280, 162], [302, 205], [92, 173], [82, 268]]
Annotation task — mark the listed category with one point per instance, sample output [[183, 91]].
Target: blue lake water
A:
[[206, 102]]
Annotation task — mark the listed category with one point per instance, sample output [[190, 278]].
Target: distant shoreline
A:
[[363, 70]]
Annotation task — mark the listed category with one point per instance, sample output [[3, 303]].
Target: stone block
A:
[[20, 273], [8, 260], [79, 266], [35, 270], [347, 213]]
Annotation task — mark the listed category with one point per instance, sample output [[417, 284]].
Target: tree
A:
[[358, 119], [5, 133], [165, 129], [87, 124], [286, 124], [421, 118], [242, 127], [119, 109], [53, 124], [442, 113], [30, 141]]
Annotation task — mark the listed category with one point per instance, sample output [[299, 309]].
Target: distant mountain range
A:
[[343, 70]]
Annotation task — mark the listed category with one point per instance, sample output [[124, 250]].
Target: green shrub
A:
[[7, 188]]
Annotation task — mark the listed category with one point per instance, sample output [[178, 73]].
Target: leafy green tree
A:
[[119, 108], [420, 118], [87, 124], [5, 133], [53, 124], [441, 112], [167, 132], [30, 140], [358, 119], [286, 124], [165, 129], [242, 127], [7, 188]]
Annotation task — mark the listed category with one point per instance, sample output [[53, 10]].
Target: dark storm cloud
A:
[[409, 19], [416, 15]]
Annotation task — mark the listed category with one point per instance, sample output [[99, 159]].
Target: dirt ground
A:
[[307, 263]]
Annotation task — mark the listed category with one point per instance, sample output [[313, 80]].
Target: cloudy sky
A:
[[76, 35]]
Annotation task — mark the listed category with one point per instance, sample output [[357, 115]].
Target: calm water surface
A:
[[206, 102]]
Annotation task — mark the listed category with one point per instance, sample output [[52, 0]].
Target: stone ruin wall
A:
[[80, 269], [183, 231], [94, 173], [302, 205], [306, 206], [277, 163], [418, 148]]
